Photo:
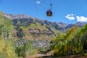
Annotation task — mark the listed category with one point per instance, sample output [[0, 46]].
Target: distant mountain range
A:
[[57, 25], [42, 28]]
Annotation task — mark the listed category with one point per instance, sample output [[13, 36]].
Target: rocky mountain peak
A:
[[18, 16]]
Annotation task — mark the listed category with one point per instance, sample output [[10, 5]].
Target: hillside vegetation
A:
[[7, 47], [72, 42]]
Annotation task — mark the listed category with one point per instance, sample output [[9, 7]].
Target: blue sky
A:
[[67, 11]]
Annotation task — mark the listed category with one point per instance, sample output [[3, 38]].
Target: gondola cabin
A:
[[49, 13]]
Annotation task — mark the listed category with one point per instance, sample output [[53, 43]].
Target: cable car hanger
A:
[[49, 11]]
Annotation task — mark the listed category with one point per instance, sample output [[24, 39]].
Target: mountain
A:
[[21, 16], [34, 28]]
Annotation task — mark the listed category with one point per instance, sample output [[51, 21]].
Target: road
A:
[[49, 54], [41, 55]]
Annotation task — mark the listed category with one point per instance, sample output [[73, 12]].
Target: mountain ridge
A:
[[60, 24], [36, 28]]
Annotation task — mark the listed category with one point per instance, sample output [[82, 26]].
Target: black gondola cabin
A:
[[49, 13]]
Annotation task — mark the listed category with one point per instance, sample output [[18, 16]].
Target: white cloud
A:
[[70, 17], [77, 18], [81, 18], [38, 2]]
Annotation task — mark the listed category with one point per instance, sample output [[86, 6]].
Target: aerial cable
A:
[[49, 11], [50, 4]]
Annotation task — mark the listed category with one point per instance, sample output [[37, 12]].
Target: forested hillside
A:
[[72, 42], [23, 36], [9, 47]]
